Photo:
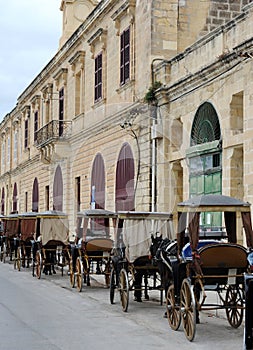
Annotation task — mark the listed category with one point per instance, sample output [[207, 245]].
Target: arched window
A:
[[14, 198], [58, 190], [206, 125], [98, 183], [35, 196], [125, 179], [204, 157]]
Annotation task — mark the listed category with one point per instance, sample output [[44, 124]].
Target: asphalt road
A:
[[47, 314]]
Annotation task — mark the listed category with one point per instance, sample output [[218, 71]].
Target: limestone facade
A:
[[84, 119]]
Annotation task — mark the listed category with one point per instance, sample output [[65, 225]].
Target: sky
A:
[[29, 32]]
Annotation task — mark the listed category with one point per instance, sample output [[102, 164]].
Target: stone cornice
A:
[[205, 75], [78, 57], [100, 35], [70, 43]]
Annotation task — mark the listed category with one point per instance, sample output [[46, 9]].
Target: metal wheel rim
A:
[[79, 275], [38, 263], [107, 276], [19, 259], [4, 252], [124, 289], [112, 285], [71, 274], [188, 309], [234, 299], [173, 310]]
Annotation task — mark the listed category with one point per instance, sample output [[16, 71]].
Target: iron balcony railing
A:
[[55, 130]]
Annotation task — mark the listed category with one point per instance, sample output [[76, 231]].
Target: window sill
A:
[[126, 86], [99, 103]]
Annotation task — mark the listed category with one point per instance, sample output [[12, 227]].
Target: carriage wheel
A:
[[234, 305], [173, 310], [112, 285], [107, 274], [4, 252], [71, 274], [18, 259], [38, 264], [86, 270], [188, 309], [79, 274], [124, 289], [15, 262]]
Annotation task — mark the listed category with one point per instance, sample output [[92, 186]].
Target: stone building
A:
[[145, 103]]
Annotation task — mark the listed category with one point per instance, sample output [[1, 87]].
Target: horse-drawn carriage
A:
[[52, 242], [27, 227], [215, 265], [90, 253], [133, 270], [10, 237], [2, 238]]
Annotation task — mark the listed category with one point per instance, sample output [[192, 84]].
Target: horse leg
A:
[[53, 261], [146, 286], [137, 286], [28, 256]]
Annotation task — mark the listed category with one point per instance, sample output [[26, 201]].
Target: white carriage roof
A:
[[213, 202], [52, 213], [99, 213], [144, 215]]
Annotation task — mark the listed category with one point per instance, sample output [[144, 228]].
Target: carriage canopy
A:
[[28, 225], [189, 217], [93, 223], [137, 228], [11, 225], [53, 226]]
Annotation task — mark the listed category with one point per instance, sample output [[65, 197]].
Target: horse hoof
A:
[[138, 299]]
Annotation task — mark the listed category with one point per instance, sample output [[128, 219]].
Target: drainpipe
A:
[[154, 153], [154, 162]]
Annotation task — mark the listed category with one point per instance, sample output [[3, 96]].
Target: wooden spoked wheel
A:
[[4, 253], [38, 264], [86, 270], [18, 259], [71, 274], [188, 309], [124, 289], [234, 305], [173, 310], [107, 274], [112, 285], [79, 274]]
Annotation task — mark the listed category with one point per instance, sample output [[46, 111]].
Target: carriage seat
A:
[[187, 252], [224, 255], [99, 244]]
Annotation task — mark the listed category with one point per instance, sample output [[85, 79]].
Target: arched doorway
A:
[[124, 196], [204, 155], [98, 183], [14, 198], [35, 196], [58, 190]]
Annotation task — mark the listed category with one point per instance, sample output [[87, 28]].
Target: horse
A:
[[163, 253]]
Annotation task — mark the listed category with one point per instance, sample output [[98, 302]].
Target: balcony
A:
[[54, 131], [52, 140]]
